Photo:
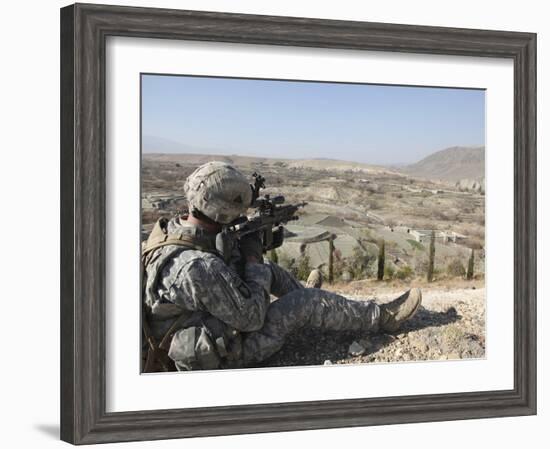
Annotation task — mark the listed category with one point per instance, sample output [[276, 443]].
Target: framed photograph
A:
[[274, 223]]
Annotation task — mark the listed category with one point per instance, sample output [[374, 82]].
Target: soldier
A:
[[203, 313]]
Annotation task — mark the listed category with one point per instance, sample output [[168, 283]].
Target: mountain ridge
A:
[[450, 164], [453, 164]]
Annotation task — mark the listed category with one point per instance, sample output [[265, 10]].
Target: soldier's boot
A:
[[315, 279], [394, 313]]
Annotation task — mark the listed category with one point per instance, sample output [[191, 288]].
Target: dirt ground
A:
[[449, 325]]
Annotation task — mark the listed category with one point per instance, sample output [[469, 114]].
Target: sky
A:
[[375, 124]]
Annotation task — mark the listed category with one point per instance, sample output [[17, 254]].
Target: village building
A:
[[424, 235]]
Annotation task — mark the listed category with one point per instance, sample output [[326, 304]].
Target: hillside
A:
[[238, 160], [451, 164], [450, 325], [357, 206]]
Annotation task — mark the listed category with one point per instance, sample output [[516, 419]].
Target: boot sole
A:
[[398, 323], [418, 304]]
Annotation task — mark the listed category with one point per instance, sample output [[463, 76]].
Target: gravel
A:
[[449, 325]]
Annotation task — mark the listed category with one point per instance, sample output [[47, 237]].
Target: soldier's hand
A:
[[278, 237], [251, 247]]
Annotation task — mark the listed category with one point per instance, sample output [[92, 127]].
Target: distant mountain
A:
[[243, 160], [201, 158], [451, 164], [152, 144], [159, 145]]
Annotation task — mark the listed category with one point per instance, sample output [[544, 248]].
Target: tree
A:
[[405, 272], [455, 268], [359, 263], [338, 265], [273, 256], [381, 259], [389, 271], [431, 260], [331, 259], [470, 271], [304, 267]]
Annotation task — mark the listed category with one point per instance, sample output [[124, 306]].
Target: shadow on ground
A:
[[313, 347], [428, 318]]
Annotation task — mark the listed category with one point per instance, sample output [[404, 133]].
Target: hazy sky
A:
[[357, 122]]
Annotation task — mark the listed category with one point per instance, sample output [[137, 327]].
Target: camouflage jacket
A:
[[179, 279]]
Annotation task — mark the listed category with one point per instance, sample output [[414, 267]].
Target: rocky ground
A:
[[449, 325]]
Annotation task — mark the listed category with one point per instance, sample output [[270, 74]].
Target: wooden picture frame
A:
[[84, 29]]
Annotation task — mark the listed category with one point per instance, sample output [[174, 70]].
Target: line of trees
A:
[[455, 268], [361, 265]]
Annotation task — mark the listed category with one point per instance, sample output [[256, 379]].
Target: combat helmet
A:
[[219, 191]]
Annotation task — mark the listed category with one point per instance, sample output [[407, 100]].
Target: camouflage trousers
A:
[[298, 307]]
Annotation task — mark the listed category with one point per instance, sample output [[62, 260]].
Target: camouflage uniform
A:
[[236, 309]]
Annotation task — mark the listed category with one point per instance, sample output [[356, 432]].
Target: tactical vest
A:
[[193, 340], [160, 237], [153, 262]]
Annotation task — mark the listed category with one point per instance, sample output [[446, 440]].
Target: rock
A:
[[327, 363], [356, 349]]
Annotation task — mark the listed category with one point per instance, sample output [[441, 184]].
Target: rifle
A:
[[268, 219]]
